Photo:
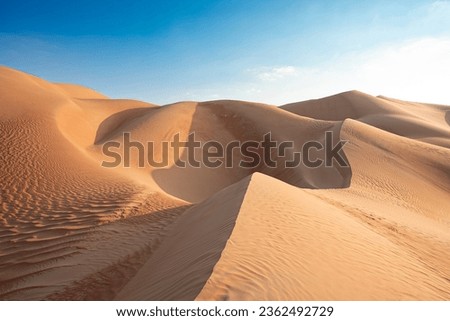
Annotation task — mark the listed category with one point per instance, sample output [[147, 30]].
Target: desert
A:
[[72, 229]]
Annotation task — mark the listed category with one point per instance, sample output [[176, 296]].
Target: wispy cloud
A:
[[439, 7], [274, 73]]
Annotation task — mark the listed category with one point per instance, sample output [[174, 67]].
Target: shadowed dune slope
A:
[[225, 122], [186, 257]]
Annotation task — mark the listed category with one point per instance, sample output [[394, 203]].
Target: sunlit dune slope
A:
[[420, 121], [52, 192]]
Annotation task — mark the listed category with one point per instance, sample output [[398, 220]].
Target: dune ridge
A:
[[420, 121], [71, 229]]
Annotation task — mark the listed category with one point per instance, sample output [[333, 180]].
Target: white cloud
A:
[[274, 73], [439, 8], [417, 70]]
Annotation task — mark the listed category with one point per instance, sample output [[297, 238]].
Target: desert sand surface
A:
[[72, 229]]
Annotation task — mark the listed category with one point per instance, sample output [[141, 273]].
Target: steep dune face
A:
[[225, 122], [233, 121], [195, 243], [73, 229]]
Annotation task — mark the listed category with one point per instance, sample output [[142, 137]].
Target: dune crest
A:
[[315, 244], [420, 121]]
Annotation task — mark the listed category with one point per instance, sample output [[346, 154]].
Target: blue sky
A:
[[269, 51]]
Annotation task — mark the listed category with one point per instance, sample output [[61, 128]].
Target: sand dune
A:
[[73, 229], [423, 122], [315, 244]]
